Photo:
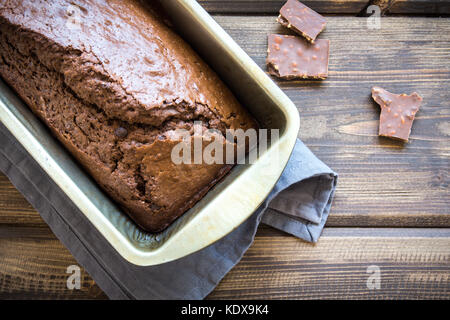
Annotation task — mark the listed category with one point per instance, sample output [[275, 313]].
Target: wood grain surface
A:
[[273, 6], [382, 182], [350, 7], [413, 263], [33, 265], [383, 187], [419, 7]]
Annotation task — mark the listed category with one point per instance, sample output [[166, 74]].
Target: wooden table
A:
[[391, 208]]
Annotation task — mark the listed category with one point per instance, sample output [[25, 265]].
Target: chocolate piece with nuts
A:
[[397, 112], [303, 20], [290, 57], [121, 132]]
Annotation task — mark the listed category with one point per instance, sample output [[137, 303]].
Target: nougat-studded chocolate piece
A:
[[397, 112], [290, 57], [303, 20]]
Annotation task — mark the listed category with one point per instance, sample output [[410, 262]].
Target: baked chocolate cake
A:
[[112, 82]]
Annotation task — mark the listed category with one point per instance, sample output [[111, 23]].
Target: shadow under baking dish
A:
[[226, 205]]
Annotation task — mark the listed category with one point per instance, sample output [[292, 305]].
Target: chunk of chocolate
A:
[[290, 57], [121, 132], [397, 112], [303, 20]]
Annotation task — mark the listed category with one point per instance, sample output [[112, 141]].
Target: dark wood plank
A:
[[14, 209], [273, 6], [414, 263], [33, 265], [16, 212], [384, 5], [352, 7], [382, 182], [411, 267], [419, 7]]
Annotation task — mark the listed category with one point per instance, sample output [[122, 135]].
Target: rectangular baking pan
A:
[[228, 204]]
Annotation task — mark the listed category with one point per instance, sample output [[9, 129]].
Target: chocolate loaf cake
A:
[[113, 82]]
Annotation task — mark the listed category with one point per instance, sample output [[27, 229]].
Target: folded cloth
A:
[[299, 204]]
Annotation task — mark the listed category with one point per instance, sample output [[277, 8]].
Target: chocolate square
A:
[[290, 57], [303, 20], [397, 112]]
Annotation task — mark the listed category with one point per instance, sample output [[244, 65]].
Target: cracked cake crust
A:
[[113, 99]]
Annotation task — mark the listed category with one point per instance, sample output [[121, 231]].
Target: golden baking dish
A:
[[228, 204]]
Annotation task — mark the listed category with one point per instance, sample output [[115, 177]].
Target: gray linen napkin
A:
[[299, 204]]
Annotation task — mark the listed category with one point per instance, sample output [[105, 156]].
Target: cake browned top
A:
[[126, 61], [113, 82]]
